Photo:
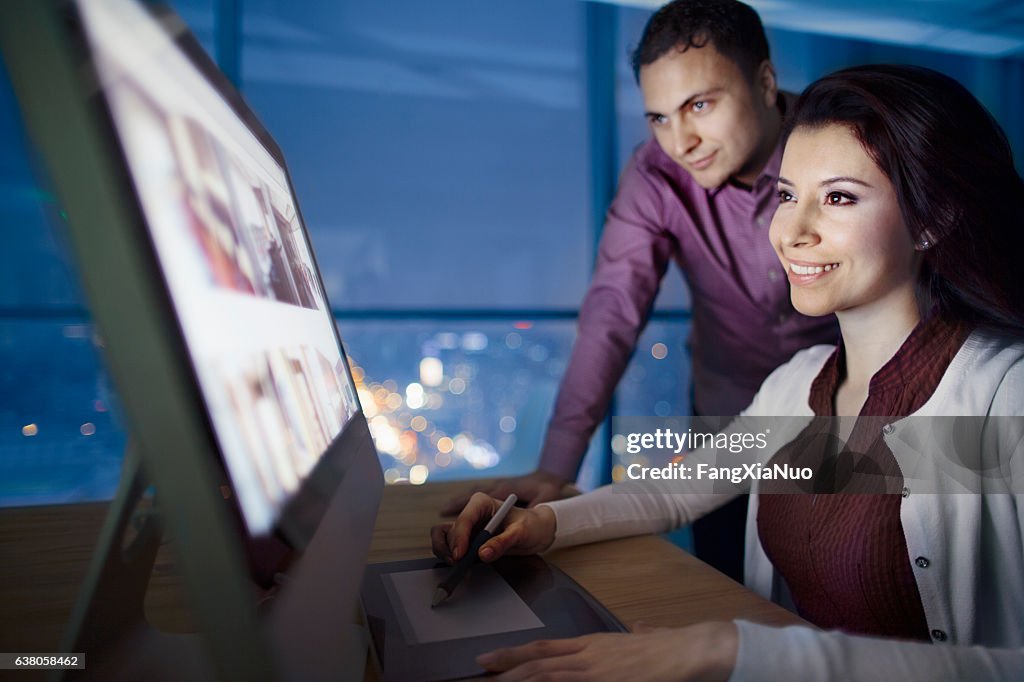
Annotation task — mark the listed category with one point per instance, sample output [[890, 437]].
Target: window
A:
[[440, 154]]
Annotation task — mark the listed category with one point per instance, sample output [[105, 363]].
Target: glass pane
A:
[[657, 381], [458, 399], [445, 400], [438, 149], [632, 128], [59, 438]]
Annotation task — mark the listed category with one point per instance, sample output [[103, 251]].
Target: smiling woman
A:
[[898, 203], [900, 212], [919, 143], [838, 230]]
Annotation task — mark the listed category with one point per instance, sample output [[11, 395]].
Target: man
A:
[[700, 193]]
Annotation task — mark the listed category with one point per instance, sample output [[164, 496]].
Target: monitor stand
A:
[[299, 635], [108, 624]]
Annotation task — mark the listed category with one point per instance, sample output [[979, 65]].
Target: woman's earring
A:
[[924, 242]]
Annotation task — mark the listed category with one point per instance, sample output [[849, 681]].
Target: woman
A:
[[900, 212]]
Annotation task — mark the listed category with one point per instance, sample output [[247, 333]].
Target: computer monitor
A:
[[237, 264], [216, 325]]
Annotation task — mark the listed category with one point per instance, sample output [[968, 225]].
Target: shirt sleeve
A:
[[633, 256], [804, 653], [631, 508]]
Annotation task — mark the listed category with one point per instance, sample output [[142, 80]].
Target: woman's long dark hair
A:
[[952, 168]]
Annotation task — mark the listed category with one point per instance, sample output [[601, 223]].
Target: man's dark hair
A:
[[732, 27], [952, 169]]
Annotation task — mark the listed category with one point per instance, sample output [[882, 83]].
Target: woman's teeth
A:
[[812, 269]]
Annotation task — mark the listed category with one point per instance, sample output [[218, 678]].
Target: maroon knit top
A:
[[844, 556]]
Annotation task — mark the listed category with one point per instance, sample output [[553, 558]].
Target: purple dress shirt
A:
[[743, 327]]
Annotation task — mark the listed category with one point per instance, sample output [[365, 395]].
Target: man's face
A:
[[708, 116]]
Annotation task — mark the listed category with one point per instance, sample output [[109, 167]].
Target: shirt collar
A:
[[921, 361], [935, 340]]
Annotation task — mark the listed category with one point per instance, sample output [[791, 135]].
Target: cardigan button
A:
[[888, 428], [939, 636], [906, 492], [922, 562]]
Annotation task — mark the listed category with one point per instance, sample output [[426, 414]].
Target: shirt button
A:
[[888, 429], [922, 562], [906, 492], [939, 636], [761, 221], [773, 275], [783, 317]]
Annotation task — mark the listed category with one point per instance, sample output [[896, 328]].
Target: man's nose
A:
[[684, 138]]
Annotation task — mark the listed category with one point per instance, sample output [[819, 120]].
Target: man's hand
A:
[[540, 486], [525, 531], [700, 652]]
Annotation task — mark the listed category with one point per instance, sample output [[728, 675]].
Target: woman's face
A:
[[838, 230]]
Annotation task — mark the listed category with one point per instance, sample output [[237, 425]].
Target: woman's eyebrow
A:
[[843, 178], [829, 181]]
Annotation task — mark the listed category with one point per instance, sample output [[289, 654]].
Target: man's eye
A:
[[785, 196], [839, 199], [700, 106], [658, 120]]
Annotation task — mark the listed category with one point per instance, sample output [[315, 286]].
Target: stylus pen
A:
[[448, 585]]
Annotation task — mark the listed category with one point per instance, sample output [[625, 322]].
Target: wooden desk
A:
[[44, 552]]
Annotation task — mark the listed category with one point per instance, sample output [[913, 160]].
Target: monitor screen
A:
[[235, 257]]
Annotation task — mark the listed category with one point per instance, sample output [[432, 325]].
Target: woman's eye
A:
[[838, 199], [785, 196], [700, 105]]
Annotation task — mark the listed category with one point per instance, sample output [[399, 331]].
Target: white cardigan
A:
[[971, 578]]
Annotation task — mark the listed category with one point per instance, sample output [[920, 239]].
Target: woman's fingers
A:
[[524, 531], [500, 544], [439, 542], [478, 510]]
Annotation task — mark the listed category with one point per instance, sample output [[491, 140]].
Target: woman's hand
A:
[[699, 652], [525, 531]]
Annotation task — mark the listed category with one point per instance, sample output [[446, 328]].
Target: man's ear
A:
[[766, 84]]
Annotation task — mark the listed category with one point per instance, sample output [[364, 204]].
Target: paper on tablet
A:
[[484, 604]]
